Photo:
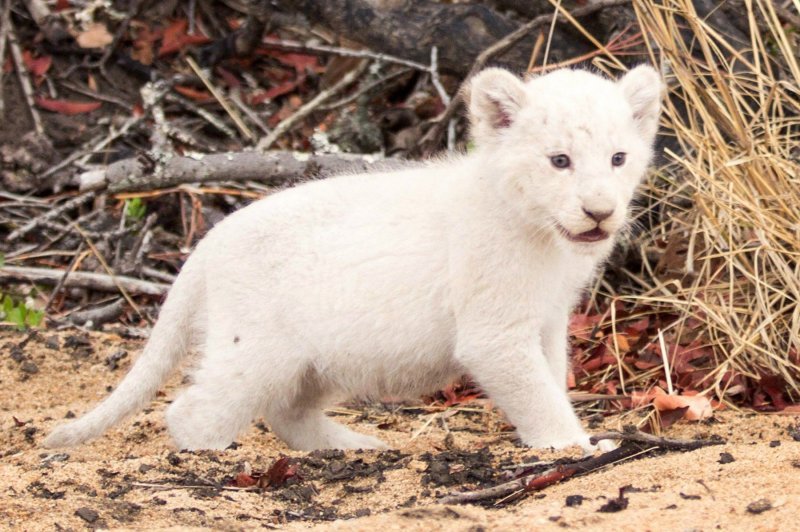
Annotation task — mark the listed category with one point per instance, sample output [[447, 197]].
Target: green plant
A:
[[19, 314], [135, 209]]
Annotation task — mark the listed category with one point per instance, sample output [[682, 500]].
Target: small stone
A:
[[173, 459], [726, 458], [29, 367], [574, 500], [774, 443], [17, 355], [87, 514], [759, 506]]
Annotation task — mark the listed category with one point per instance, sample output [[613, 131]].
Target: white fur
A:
[[396, 283]]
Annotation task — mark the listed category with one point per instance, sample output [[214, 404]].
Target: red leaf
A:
[[37, 66], [282, 470], [17, 422], [243, 480], [175, 38], [230, 80], [300, 62], [66, 107], [194, 94]]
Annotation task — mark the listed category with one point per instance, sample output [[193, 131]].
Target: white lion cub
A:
[[395, 283]]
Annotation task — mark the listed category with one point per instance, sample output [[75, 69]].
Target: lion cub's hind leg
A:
[[306, 429]]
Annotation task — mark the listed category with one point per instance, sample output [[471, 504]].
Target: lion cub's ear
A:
[[642, 87], [494, 98]]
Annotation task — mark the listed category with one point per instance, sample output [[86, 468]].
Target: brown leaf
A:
[[66, 107], [97, 36]]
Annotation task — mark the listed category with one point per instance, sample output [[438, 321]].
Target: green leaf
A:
[[34, 318], [135, 209], [2, 260]]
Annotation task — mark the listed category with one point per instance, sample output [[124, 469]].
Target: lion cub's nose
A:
[[598, 216]]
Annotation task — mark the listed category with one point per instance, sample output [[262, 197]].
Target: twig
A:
[[670, 444], [63, 279], [50, 215], [24, 80], [5, 25], [107, 268], [638, 444], [92, 281], [364, 90], [291, 46], [222, 101], [431, 138], [309, 107], [199, 111], [93, 146], [154, 485]]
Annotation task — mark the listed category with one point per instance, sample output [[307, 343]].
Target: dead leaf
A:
[[37, 66], [176, 38], [199, 96], [97, 36], [66, 107], [282, 470], [243, 480], [698, 406]]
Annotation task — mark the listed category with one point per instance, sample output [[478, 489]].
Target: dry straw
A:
[[729, 199]]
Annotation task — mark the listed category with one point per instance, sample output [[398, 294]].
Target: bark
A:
[[410, 29]]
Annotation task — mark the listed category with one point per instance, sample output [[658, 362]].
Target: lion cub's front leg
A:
[[511, 367]]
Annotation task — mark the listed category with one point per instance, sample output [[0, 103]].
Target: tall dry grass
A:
[[729, 199]]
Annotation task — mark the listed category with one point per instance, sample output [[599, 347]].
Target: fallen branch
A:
[[638, 444], [275, 168], [93, 281]]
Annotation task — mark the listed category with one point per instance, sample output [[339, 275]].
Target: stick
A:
[[5, 24], [309, 107], [24, 80], [431, 138], [638, 444], [92, 281], [222, 101], [276, 168], [292, 46], [670, 444]]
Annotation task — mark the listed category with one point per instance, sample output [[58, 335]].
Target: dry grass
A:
[[730, 199]]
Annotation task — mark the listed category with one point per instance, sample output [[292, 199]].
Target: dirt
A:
[[132, 478]]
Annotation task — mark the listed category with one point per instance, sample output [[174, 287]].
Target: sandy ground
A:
[[133, 479]]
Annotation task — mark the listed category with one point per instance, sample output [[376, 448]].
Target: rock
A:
[[759, 506], [87, 514]]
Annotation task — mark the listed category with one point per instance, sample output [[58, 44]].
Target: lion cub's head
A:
[[569, 147]]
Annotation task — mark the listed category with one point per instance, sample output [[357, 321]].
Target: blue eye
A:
[[560, 161], [618, 159]]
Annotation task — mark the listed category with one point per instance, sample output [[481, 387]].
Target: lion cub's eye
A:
[[618, 159], [560, 161]]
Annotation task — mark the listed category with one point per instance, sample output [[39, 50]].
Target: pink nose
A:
[[598, 216]]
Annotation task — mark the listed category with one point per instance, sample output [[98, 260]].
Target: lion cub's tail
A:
[[167, 345]]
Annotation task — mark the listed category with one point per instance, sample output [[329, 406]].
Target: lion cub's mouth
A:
[[594, 235]]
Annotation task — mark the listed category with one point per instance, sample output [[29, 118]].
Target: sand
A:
[[133, 479]]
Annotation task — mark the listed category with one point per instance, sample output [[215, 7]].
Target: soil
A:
[[132, 478]]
